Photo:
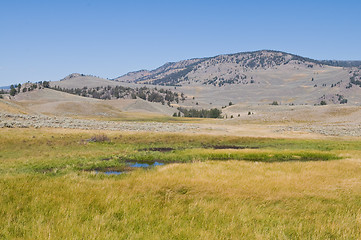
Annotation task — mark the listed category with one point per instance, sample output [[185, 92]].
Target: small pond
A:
[[129, 167]]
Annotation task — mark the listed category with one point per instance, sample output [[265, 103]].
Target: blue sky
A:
[[47, 40]]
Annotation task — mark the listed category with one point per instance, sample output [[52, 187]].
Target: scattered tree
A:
[[12, 90], [46, 84]]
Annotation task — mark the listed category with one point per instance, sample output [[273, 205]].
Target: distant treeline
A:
[[337, 63], [202, 113], [17, 88], [117, 92], [109, 92]]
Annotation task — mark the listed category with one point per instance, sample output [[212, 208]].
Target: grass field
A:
[[215, 187]]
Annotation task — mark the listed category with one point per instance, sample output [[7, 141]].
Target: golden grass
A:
[[11, 107], [144, 117], [199, 200]]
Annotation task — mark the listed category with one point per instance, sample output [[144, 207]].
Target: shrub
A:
[[323, 102], [343, 101]]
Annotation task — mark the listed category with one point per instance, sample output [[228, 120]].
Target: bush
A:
[[343, 101], [274, 103], [323, 102]]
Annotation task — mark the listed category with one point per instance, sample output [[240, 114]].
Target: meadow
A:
[[211, 187]]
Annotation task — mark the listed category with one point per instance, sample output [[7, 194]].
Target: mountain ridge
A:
[[172, 73], [256, 77]]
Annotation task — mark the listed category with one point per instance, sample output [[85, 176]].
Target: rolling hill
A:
[[52, 102], [259, 77]]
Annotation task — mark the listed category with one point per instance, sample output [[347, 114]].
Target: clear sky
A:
[[47, 40]]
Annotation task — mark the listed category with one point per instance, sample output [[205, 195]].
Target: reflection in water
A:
[[144, 165], [113, 173], [133, 165]]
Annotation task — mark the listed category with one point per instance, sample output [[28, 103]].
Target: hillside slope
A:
[[259, 77], [77, 80], [48, 101], [226, 69]]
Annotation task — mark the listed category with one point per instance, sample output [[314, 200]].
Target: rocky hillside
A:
[[168, 74], [258, 77], [227, 69]]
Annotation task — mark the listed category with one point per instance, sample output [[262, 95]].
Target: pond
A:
[[130, 166]]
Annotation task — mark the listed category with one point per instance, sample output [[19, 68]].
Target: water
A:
[[144, 165], [133, 165], [113, 173]]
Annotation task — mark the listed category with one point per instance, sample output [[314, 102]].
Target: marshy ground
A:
[[210, 187]]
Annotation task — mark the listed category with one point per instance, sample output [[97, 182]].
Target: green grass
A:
[[192, 155], [285, 189]]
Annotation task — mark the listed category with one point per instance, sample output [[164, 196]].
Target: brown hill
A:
[[259, 77], [48, 101]]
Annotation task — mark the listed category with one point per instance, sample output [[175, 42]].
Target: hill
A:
[[228, 68], [259, 77], [52, 102], [77, 80]]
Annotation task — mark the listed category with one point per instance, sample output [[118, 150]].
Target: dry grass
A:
[[7, 106], [199, 200], [99, 138]]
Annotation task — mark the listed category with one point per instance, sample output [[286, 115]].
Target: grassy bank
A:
[[266, 188]]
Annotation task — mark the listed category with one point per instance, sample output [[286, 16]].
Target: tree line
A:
[[119, 92], [202, 113]]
